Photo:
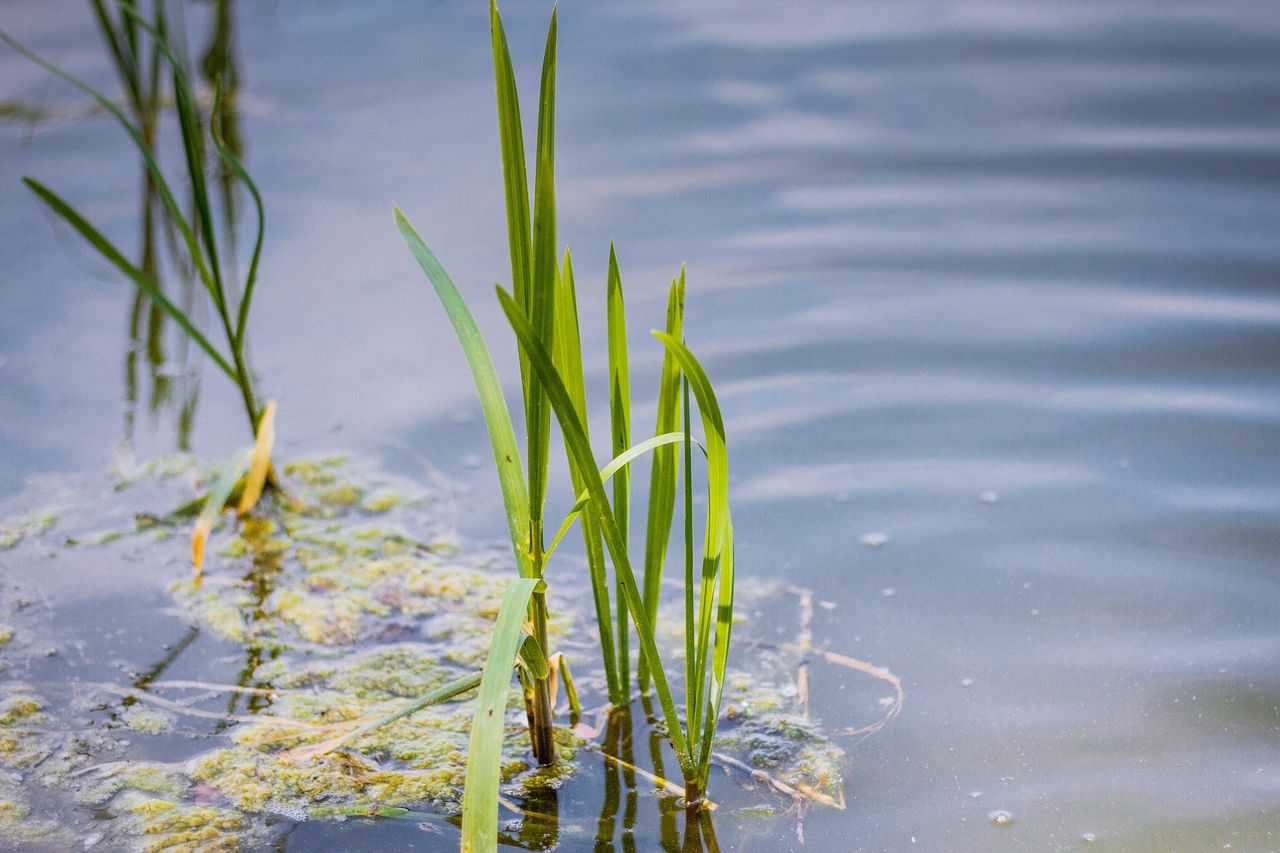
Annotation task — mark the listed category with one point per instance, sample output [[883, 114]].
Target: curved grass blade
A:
[[496, 415], [144, 150], [219, 494], [444, 693], [260, 462], [484, 753], [540, 360], [139, 278], [717, 523], [662, 475], [615, 465], [237, 168]]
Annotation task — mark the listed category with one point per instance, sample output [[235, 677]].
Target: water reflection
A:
[[173, 376]]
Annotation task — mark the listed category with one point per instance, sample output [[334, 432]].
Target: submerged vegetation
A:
[[333, 612]]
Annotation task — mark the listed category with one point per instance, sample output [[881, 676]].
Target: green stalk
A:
[[567, 356], [620, 421], [662, 477]]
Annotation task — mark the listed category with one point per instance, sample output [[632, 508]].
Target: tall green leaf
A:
[[717, 524], [515, 180], [662, 476], [542, 286], [484, 752], [567, 356], [620, 431], [562, 405], [496, 415]]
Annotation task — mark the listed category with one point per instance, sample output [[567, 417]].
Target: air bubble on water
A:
[[1000, 817], [988, 497], [889, 592], [1035, 611], [975, 794], [874, 540], [1089, 838], [966, 682]]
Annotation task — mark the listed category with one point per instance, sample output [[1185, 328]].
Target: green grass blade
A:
[[693, 680], [237, 168], [607, 472], [214, 504], [496, 415], [662, 476], [713, 427], [532, 657], [567, 356], [144, 150], [515, 180], [620, 422], [137, 276], [484, 753], [720, 652], [443, 693], [717, 525], [576, 437], [543, 283]]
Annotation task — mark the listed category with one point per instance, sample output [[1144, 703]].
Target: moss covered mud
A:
[[147, 708]]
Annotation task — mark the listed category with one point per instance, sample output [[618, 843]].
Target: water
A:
[[996, 282]]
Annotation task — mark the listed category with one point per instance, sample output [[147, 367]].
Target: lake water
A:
[[994, 286]]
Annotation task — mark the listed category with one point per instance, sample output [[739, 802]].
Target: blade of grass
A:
[[214, 504], [484, 753], [444, 693], [720, 653], [562, 406], [567, 356], [118, 260], [237, 168], [260, 462], [717, 523], [662, 476], [542, 289], [620, 421], [506, 455], [515, 181], [607, 472], [144, 149]]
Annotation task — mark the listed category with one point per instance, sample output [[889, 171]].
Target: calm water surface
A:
[[999, 281]]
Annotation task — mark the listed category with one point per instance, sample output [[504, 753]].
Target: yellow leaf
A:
[[260, 463], [198, 537]]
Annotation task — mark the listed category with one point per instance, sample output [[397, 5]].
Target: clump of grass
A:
[[198, 233], [542, 311]]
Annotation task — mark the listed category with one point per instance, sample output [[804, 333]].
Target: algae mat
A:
[[145, 708]]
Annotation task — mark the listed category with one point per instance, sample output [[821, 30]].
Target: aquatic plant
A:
[[542, 311], [198, 232]]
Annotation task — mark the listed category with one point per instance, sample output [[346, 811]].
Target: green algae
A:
[[345, 612], [148, 721]]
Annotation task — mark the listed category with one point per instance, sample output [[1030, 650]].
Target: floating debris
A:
[[1000, 817]]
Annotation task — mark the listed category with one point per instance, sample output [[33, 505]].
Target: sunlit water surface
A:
[[996, 281]]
